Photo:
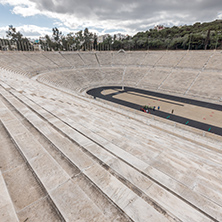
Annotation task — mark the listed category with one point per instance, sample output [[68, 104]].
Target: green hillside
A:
[[197, 36]]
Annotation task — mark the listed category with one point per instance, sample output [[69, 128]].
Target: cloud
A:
[[3, 31], [130, 16], [17, 2], [33, 31], [29, 31], [129, 9]]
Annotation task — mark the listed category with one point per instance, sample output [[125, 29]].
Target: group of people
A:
[[147, 108]]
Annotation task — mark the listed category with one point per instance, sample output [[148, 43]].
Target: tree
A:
[[79, 40], [70, 41], [207, 39], [88, 39], [57, 36], [117, 45], [13, 35], [142, 43], [47, 44], [94, 41], [16, 38]]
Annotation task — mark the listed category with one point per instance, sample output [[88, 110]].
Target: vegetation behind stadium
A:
[[194, 37]]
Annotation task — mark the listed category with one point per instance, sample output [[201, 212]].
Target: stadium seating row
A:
[[143, 174], [186, 73], [38, 61]]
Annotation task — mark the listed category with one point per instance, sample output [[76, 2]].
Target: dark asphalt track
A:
[[199, 125]]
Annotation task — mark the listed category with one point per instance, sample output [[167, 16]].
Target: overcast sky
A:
[[36, 18]]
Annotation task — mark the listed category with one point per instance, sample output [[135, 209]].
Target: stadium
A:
[[75, 145]]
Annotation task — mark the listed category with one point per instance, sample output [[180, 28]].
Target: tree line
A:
[[193, 37], [15, 41]]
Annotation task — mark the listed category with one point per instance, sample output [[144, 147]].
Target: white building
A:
[[101, 38], [159, 27]]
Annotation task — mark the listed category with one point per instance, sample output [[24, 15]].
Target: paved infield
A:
[[194, 113]]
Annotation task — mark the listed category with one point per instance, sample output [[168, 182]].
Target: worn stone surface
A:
[[86, 161], [23, 188], [7, 211]]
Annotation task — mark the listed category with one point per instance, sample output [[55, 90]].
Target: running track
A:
[[196, 124]]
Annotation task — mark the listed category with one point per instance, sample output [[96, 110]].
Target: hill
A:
[[196, 36]]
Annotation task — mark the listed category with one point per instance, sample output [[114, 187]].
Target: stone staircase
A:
[[87, 163]]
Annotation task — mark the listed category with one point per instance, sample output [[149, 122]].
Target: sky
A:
[[35, 18]]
